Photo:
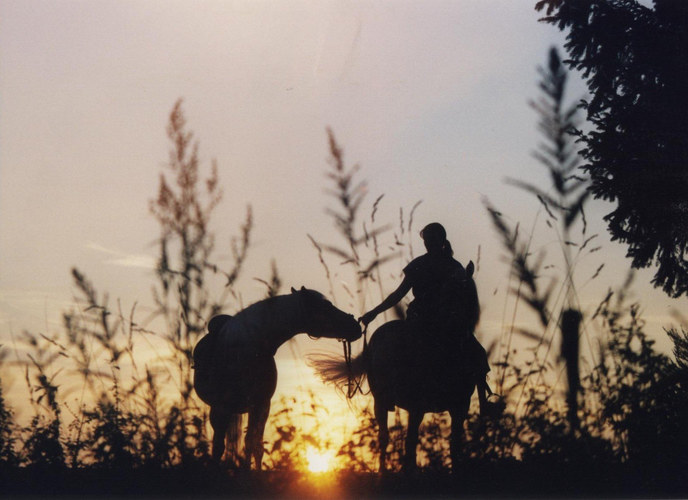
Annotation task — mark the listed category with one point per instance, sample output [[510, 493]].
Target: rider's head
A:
[[435, 239]]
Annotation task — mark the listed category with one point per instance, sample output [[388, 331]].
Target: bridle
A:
[[354, 384]]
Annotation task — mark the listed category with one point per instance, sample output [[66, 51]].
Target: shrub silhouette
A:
[[8, 434]]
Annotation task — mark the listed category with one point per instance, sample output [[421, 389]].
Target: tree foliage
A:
[[634, 59]]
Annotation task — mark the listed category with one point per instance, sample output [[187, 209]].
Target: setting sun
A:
[[319, 461]]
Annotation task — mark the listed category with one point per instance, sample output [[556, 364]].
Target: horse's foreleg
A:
[[383, 433], [414, 420], [257, 419], [219, 422]]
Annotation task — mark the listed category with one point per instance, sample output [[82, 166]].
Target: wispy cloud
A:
[[118, 258]]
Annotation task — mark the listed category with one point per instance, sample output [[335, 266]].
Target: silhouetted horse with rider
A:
[[431, 361]]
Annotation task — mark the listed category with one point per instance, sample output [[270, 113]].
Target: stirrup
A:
[[494, 406]]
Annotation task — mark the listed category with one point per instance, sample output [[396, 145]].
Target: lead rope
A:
[[353, 384], [349, 371]]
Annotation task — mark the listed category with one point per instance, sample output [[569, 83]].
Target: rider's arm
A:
[[390, 301]]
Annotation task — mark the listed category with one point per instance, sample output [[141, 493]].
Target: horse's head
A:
[[322, 319], [469, 297]]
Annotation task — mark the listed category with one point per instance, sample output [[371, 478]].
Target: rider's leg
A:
[[483, 393], [480, 366]]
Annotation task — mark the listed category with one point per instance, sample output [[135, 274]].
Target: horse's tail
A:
[[333, 369], [233, 438]]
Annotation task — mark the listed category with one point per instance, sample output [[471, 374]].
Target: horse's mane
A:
[[473, 315], [295, 294], [262, 311]]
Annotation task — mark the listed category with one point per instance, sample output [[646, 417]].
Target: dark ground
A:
[[514, 480]]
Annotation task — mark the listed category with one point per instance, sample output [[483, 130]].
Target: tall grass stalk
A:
[[563, 205]]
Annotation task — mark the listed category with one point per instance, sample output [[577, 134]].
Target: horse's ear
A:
[[293, 290], [303, 288], [470, 269]]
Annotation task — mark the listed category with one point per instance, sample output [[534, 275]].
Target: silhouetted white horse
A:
[[416, 372], [234, 364]]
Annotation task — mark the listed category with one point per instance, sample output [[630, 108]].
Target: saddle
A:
[[205, 347]]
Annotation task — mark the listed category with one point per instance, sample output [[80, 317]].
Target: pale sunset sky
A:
[[430, 98]]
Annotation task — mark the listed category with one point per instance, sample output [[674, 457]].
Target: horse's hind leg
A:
[[383, 432], [414, 420], [458, 417], [219, 421], [257, 418]]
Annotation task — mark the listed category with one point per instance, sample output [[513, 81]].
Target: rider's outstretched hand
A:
[[367, 317]]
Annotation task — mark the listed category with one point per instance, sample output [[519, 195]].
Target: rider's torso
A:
[[435, 282]]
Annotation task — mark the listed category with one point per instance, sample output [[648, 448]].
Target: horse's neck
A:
[[267, 324]]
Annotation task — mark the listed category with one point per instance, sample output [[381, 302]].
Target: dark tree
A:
[[634, 59]]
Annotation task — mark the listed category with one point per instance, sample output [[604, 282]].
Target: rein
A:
[[353, 384]]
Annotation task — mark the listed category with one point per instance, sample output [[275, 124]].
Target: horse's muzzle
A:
[[353, 329]]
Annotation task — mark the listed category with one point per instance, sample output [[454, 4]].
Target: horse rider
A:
[[438, 311]]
